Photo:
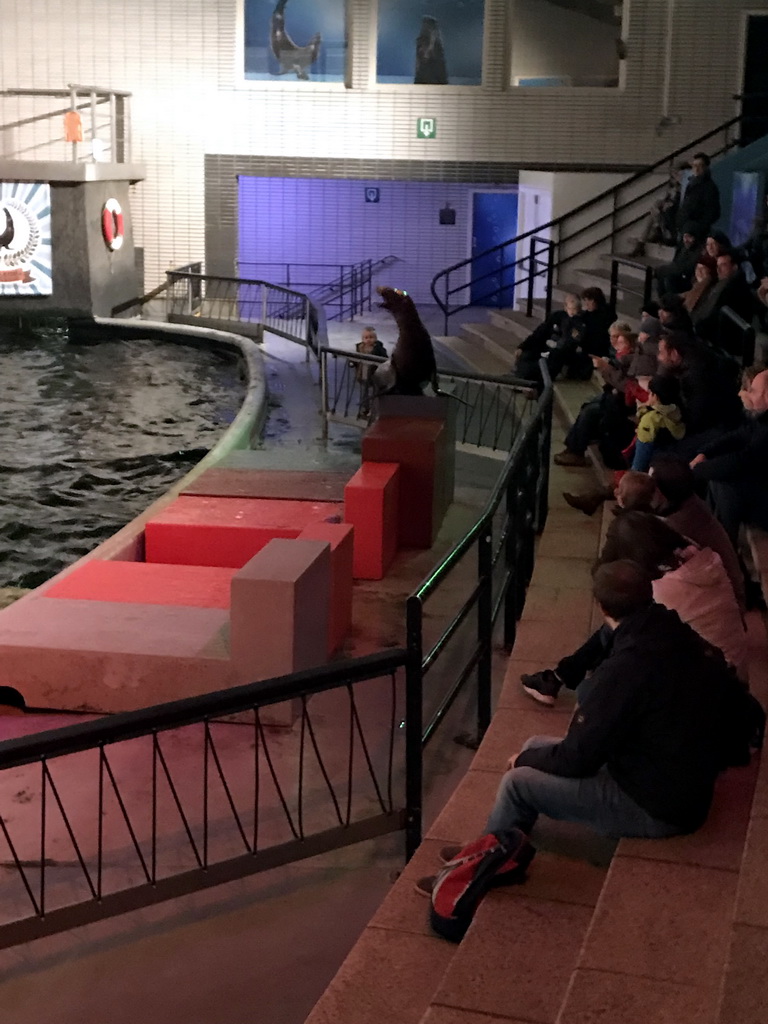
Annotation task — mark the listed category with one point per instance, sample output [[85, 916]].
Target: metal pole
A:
[[324, 393], [73, 106], [531, 270], [113, 148], [510, 599], [550, 276], [414, 684], [614, 281], [93, 122], [542, 505], [485, 628]]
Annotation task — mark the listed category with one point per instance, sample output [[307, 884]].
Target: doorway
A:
[[494, 221], [754, 84]]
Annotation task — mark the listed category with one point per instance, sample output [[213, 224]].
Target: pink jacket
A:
[[701, 593]]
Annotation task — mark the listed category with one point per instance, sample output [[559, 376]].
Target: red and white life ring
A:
[[113, 224]]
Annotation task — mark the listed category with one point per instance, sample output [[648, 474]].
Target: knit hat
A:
[[651, 326], [666, 388]]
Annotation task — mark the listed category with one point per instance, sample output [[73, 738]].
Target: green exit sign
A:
[[426, 127]]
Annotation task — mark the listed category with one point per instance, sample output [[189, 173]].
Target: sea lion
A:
[[289, 56], [412, 363], [7, 236], [430, 55]]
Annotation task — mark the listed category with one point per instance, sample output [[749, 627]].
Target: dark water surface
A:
[[92, 434]]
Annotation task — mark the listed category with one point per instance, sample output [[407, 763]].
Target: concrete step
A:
[[516, 321], [475, 356], [499, 340]]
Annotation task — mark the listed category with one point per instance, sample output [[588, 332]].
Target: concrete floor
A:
[[262, 949]]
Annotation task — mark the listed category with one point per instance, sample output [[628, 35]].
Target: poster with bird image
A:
[[430, 42], [25, 238], [294, 40]]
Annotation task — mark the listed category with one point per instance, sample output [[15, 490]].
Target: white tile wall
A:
[[178, 57]]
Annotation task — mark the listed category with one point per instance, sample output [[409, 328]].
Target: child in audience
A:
[[660, 414]]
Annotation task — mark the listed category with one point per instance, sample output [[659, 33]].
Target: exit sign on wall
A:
[[426, 127]]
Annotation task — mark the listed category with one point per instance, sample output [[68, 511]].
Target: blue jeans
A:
[[596, 801], [643, 455]]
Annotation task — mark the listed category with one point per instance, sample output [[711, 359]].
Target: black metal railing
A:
[[216, 300], [490, 411], [736, 337], [138, 808], [644, 284], [495, 559], [586, 228]]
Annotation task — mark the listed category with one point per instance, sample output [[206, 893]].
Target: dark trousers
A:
[[603, 419]]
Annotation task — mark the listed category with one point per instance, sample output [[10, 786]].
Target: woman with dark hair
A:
[[694, 300], [686, 578], [598, 316]]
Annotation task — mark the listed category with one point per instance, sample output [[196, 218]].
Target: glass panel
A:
[[433, 42], [567, 43]]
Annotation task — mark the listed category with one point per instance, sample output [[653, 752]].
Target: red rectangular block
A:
[[194, 586], [198, 530], [341, 538], [419, 447], [370, 504]]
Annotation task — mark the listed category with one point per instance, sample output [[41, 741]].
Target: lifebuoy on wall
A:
[[113, 224]]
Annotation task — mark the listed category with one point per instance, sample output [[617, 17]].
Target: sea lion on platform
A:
[[430, 55], [289, 56], [412, 363], [7, 236]]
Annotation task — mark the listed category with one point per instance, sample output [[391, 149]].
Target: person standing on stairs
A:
[[700, 205]]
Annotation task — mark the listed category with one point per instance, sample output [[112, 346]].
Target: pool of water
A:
[[92, 434]]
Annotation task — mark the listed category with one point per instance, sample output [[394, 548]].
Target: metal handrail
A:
[[558, 222], [628, 261], [746, 354]]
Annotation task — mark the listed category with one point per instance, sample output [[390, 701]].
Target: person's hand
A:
[[511, 761], [599, 362], [699, 458]]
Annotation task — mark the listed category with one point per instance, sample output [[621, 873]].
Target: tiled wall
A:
[[179, 58]]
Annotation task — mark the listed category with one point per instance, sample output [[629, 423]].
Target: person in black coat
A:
[[700, 205], [677, 276], [732, 290], [560, 338], [735, 466], [598, 316], [659, 721]]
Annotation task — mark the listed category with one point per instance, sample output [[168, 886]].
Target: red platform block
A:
[[341, 538], [193, 586], [371, 501], [421, 448], [198, 530]]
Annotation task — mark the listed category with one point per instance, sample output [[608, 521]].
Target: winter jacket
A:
[[695, 520], [738, 454], [659, 417], [566, 331], [595, 341], [708, 398], [701, 593], [653, 717], [734, 293], [645, 361], [616, 373], [700, 205]]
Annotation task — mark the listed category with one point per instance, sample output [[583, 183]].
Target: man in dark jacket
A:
[[560, 338], [677, 276], [736, 465], [730, 290], [644, 748], [700, 205], [708, 390]]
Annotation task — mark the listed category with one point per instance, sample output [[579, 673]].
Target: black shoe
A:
[[542, 686]]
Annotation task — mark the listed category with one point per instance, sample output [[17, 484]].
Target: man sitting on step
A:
[[663, 716]]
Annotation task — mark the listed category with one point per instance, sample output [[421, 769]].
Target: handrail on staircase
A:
[[442, 296]]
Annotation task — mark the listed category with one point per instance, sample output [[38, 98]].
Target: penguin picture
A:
[[430, 54]]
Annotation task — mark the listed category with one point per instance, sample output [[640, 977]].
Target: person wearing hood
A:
[[677, 276], [735, 466], [659, 418], [700, 205]]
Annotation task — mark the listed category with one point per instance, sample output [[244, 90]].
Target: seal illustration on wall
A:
[[20, 241], [25, 242], [289, 55]]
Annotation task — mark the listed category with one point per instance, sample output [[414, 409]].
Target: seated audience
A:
[[694, 300], [560, 338], [700, 205], [674, 316], [689, 580], [735, 465], [707, 392], [598, 316], [669, 492], [659, 420], [677, 275], [661, 719], [730, 290]]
